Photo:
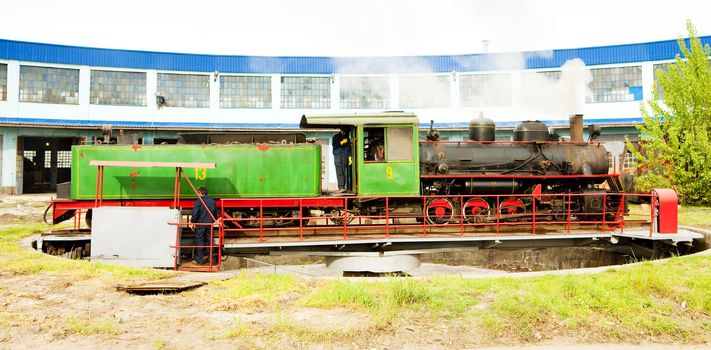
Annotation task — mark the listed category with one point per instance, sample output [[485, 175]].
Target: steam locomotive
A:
[[439, 181]]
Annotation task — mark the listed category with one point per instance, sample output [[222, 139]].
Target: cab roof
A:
[[335, 120]]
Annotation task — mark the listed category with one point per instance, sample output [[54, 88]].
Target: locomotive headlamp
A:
[[442, 168]]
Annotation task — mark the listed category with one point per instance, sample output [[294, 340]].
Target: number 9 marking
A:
[[389, 173], [200, 173]]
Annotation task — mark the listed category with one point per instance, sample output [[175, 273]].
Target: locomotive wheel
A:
[[336, 216], [87, 217], [439, 211], [512, 206], [476, 210], [246, 216]]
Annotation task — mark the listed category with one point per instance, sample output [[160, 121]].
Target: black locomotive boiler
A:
[[534, 162]]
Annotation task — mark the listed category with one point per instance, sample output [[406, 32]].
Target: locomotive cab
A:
[[385, 151]]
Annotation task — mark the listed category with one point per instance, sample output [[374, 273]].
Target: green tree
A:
[[676, 132]]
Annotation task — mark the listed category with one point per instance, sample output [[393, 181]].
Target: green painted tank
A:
[[246, 170]]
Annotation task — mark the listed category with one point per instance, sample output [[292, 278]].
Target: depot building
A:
[[54, 96]]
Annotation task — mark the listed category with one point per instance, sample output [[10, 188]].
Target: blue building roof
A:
[[42, 122], [75, 55]]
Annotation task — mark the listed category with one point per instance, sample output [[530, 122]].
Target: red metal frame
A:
[[667, 218], [499, 223], [98, 202], [593, 221], [516, 142], [514, 176]]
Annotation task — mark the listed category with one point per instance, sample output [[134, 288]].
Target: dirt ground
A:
[[53, 311]]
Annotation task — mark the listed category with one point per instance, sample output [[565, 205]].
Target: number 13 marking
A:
[[200, 173]]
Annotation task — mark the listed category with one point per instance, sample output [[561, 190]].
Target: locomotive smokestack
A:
[[576, 128]]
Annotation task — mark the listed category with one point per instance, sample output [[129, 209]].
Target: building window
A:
[[185, 90], [3, 82], [610, 162], [118, 88], [553, 75], [617, 84], [245, 92], [630, 161], [485, 90], [538, 88], [47, 159], [64, 159], [30, 155], [306, 92], [365, 92], [49, 85], [424, 91], [664, 67]]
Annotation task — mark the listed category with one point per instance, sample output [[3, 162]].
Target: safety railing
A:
[[461, 215], [214, 249], [176, 203]]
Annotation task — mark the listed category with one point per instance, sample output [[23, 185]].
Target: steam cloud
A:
[[554, 95]]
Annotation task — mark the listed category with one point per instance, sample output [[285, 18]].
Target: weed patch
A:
[[18, 260], [85, 326], [250, 291]]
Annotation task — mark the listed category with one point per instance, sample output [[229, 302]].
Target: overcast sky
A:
[[349, 28]]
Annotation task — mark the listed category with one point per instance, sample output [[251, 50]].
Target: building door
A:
[[46, 161]]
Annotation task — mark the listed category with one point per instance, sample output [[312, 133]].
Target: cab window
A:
[[399, 144], [374, 144], [387, 144]]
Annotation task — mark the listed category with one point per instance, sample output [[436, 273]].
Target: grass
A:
[[86, 326], [282, 327], [663, 301], [667, 301], [688, 215], [250, 291], [620, 304], [19, 260], [386, 301], [695, 216]]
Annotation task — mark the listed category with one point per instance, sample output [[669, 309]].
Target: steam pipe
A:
[[576, 128]]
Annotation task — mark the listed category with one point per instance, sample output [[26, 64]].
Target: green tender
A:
[[249, 171]]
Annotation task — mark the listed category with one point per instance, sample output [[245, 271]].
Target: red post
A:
[[221, 233], [261, 220], [533, 214], [604, 210], [569, 200], [461, 215], [345, 218], [622, 222], [387, 218], [424, 216], [209, 254], [301, 219], [498, 212]]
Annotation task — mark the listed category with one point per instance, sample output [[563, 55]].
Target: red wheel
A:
[[439, 211], [512, 206], [476, 210]]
